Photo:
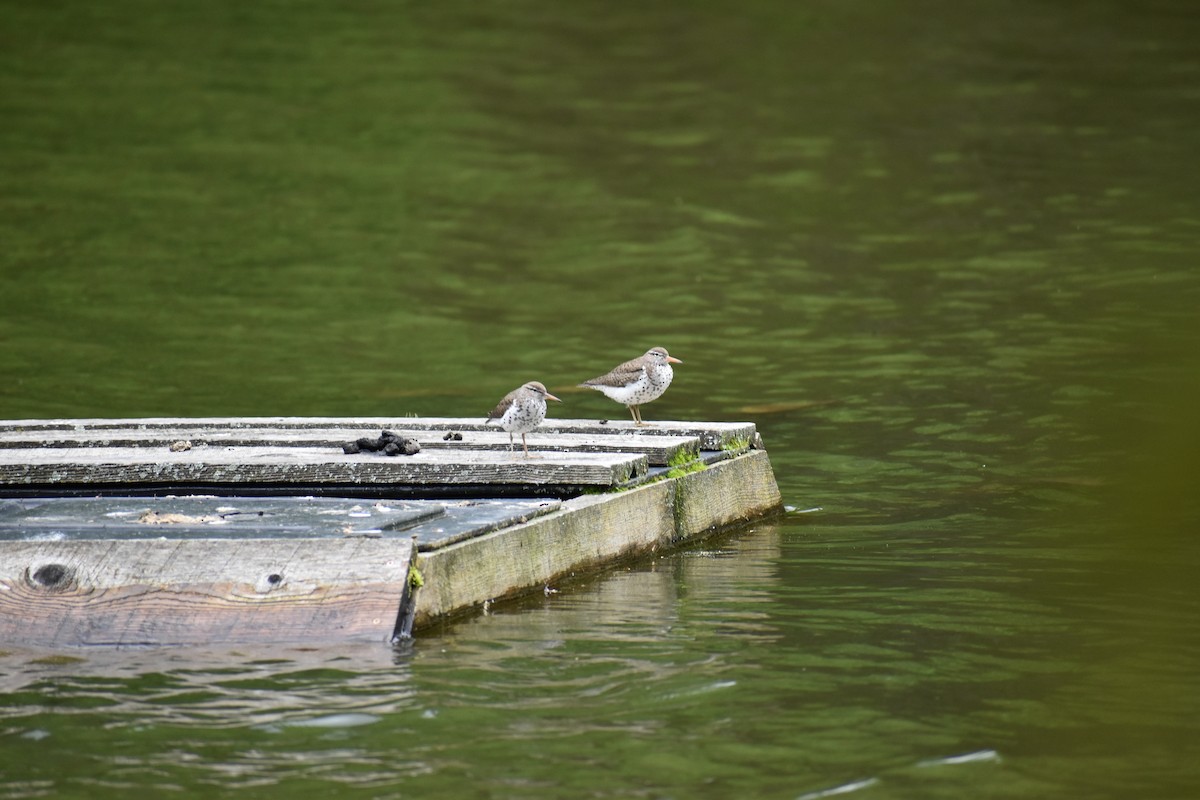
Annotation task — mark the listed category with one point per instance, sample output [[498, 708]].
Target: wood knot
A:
[[268, 582], [51, 577]]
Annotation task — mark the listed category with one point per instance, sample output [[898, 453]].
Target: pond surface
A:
[[943, 254]]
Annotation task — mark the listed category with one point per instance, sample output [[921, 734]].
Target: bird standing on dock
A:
[[521, 411], [637, 382]]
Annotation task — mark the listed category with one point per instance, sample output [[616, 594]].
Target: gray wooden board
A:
[[206, 517], [432, 524], [659, 449], [467, 519], [198, 591], [713, 435], [308, 466], [592, 531]]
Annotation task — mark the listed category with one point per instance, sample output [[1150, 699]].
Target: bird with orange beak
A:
[[637, 382]]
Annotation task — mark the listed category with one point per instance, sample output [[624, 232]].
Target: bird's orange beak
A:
[[673, 360], [551, 397]]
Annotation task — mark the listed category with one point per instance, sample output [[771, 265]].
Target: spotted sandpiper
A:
[[638, 381], [521, 411]]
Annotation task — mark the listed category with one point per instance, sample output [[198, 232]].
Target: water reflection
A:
[[208, 687]]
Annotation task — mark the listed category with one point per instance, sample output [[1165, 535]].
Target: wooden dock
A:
[[177, 531]]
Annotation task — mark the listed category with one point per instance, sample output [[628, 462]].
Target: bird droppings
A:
[[389, 443]]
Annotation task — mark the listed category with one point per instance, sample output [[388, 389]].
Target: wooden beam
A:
[[196, 591], [659, 449], [585, 534], [713, 435], [430, 524], [307, 466], [593, 530]]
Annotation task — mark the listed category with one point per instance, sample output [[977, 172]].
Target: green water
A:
[[944, 254]]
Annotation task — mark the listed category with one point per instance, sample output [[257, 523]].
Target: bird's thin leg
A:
[[511, 446], [634, 411], [524, 445]]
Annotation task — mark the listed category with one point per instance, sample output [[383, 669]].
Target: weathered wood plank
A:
[[431, 524], [209, 517], [593, 530], [466, 519], [308, 466], [173, 591], [189, 586], [585, 534], [713, 435], [658, 449], [123, 592], [725, 493]]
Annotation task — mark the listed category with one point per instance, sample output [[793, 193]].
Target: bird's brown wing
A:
[[502, 406], [622, 375]]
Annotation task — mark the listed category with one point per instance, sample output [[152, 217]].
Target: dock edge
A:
[[591, 532]]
